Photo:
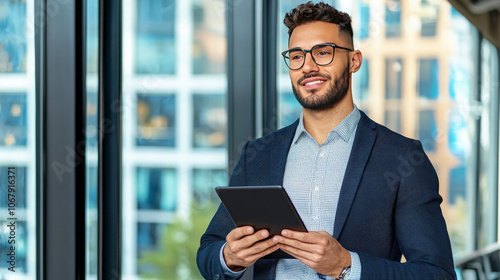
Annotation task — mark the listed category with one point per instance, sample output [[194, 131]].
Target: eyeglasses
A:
[[322, 54]]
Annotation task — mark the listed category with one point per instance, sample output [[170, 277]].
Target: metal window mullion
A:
[[109, 175], [40, 89], [241, 76], [478, 219], [60, 64], [495, 100], [269, 71]]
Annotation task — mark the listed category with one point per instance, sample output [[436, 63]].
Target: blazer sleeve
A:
[[214, 238], [420, 228]]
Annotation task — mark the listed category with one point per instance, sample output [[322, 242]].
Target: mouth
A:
[[313, 83]]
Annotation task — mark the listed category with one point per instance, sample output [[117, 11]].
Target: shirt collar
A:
[[344, 129]]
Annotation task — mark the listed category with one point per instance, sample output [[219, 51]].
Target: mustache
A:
[[307, 76]]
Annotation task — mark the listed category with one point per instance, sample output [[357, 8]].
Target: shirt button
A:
[[316, 188], [322, 154]]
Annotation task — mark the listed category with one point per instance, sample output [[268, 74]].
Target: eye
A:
[[296, 55], [323, 52]]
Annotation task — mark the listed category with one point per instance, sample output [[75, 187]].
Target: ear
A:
[[356, 58]]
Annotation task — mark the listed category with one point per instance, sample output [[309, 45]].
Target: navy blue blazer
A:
[[389, 206]]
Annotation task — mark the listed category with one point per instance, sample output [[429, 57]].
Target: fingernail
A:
[[275, 240], [285, 232], [249, 230], [265, 234]]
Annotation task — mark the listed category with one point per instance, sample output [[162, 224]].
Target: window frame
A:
[[109, 186], [60, 174]]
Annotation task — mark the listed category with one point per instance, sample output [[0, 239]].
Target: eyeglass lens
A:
[[322, 55]]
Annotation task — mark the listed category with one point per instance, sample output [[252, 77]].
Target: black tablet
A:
[[262, 207]]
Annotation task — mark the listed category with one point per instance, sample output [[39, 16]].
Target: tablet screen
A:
[[262, 207]]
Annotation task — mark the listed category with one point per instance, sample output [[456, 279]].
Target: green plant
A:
[[176, 255]]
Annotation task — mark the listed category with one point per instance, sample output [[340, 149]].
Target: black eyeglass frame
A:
[[334, 46]]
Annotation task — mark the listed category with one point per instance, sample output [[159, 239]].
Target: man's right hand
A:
[[244, 247]]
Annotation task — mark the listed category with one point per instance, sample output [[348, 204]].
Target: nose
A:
[[309, 64]]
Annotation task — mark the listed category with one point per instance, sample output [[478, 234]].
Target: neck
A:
[[319, 123]]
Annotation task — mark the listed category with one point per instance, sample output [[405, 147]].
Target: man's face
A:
[[320, 87]]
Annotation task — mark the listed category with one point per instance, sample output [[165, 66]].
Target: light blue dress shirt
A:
[[313, 178]]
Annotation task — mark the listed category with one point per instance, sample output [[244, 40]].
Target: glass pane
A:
[[202, 192], [209, 37], [458, 206], [13, 119], [393, 18], [364, 19], [457, 185], [428, 78], [148, 240], [393, 120], [91, 133], [18, 176], [290, 109], [488, 174], [174, 132], [427, 130], [17, 141], [393, 78], [155, 37], [156, 120], [362, 83], [401, 87], [429, 14], [156, 189], [13, 39], [209, 125]]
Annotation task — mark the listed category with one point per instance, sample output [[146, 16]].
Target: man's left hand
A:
[[317, 249]]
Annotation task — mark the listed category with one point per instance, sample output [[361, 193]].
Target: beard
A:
[[335, 92]]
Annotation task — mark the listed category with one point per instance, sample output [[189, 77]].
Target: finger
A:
[[251, 259], [319, 247], [248, 256], [266, 252], [249, 240], [299, 254], [239, 233], [260, 249], [306, 237], [295, 243]]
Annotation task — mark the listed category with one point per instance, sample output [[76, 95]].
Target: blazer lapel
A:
[[361, 149], [279, 153]]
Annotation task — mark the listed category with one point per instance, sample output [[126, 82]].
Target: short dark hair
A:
[[310, 12]]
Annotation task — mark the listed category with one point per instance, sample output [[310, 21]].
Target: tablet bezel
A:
[[262, 207]]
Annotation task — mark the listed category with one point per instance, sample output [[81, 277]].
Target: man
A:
[[366, 194]]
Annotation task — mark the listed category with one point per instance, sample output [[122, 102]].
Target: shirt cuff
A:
[[228, 272], [355, 267]]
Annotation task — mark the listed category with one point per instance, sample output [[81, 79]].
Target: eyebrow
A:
[[314, 45]]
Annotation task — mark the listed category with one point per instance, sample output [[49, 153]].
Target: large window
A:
[[175, 127], [174, 132], [17, 141], [488, 147]]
